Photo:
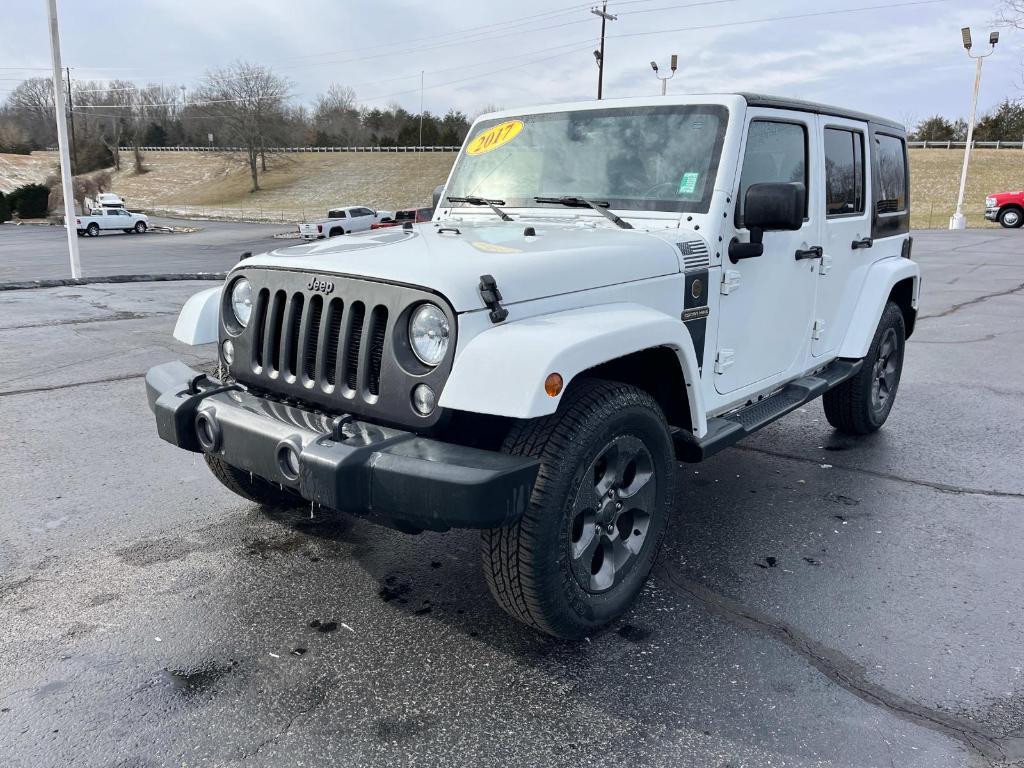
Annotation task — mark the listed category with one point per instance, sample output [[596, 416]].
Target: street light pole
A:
[[421, 109], [599, 54], [66, 180], [664, 80], [958, 220]]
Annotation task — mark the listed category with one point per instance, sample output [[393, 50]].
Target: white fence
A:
[[294, 149], [963, 144]]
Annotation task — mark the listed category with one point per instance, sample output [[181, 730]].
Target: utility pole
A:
[[599, 54], [67, 183], [421, 108], [71, 120], [958, 220], [664, 80]]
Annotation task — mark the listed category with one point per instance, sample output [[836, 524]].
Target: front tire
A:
[[140, 227], [1011, 218], [249, 486], [582, 551], [860, 405]]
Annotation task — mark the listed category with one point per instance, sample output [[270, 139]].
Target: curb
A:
[[24, 285]]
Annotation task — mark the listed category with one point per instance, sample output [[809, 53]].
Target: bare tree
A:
[[248, 100], [32, 103], [1011, 14], [336, 117]]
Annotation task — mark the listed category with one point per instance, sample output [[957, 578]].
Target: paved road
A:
[[821, 601], [32, 252]]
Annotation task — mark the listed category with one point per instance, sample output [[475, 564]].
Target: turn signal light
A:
[[553, 384]]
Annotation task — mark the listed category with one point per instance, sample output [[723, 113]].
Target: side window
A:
[[844, 172], [775, 152], [362, 212], [891, 168], [335, 214]]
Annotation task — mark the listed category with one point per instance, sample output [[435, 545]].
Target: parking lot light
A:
[[958, 220]]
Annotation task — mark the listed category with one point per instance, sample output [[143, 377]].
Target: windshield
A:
[[661, 158]]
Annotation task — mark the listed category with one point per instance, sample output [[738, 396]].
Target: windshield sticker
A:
[[495, 137], [688, 184]]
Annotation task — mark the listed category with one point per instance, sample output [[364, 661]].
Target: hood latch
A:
[[492, 298]]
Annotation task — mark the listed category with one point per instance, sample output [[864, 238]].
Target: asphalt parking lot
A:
[[821, 600], [33, 251]]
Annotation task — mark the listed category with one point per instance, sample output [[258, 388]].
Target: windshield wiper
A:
[[581, 202], [492, 204]]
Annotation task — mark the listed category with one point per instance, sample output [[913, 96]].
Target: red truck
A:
[[1006, 207], [415, 215]]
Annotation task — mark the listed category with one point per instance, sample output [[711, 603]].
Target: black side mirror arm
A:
[[751, 250]]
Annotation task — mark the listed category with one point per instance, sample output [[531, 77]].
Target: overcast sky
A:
[[900, 60]]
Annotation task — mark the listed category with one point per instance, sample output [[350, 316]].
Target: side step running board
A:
[[727, 430]]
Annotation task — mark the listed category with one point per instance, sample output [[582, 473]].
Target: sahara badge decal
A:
[[495, 137]]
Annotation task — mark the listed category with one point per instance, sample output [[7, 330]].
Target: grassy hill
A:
[[298, 186]]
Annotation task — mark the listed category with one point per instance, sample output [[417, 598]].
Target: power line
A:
[[834, 12]]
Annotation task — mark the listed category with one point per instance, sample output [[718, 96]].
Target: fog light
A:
[[423, 399], [228, 352]]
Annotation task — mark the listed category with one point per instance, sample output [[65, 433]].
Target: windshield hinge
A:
[[492, 298]]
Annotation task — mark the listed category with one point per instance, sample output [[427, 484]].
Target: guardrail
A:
[[293, 149], [963, 144]]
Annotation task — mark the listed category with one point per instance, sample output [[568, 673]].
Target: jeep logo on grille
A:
[[320, 286]]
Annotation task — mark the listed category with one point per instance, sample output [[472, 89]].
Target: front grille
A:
[[345, 351], [293, 344]]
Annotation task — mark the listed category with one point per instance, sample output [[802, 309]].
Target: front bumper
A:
[[992, 214], [392, 476]]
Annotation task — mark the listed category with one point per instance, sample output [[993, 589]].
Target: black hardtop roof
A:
[[779, 102]]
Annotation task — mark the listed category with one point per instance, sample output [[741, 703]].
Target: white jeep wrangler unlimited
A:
[[605, 289]]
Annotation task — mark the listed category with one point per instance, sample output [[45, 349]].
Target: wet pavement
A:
[[35, 252], [821, 600]]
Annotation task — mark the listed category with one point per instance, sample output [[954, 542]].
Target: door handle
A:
[[867, 242], [814, 252]]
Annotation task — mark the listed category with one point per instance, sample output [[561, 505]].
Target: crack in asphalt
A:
[[935, 486], [247, 755], [119, 315], [850, 675], [970, 302], [70, 385]]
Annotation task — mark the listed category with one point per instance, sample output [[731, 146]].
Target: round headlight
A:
[[428, 334], [241, 301]]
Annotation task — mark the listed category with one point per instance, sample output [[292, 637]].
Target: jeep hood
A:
[[450, 257]]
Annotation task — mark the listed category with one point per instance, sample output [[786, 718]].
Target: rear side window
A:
[[335, 214], [776, 152], [891, 167], [844, 172]]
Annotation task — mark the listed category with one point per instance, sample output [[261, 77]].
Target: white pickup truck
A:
[[342, 221], [111, 218]]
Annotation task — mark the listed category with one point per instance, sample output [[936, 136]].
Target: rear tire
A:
[[860, 405], [335, 232], [93, 230], [249, 486], [582, 551], [1011, 218]]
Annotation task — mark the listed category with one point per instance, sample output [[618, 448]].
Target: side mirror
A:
[[438, 194], [769, 207]]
